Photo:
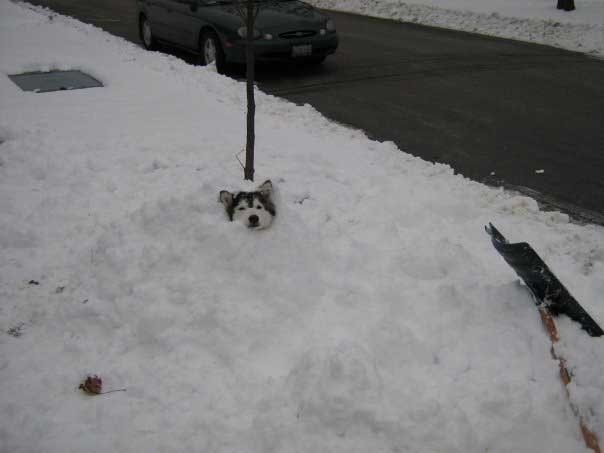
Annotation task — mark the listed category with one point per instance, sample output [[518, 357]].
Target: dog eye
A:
[[241, 209], [258, 207]]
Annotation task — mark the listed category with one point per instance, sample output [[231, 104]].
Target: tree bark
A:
[[248, 172]]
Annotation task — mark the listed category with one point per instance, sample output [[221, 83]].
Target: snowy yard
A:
[[373, 316], [538, 21]]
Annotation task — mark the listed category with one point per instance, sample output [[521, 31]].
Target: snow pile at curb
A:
[[543, 24], [374, 315]]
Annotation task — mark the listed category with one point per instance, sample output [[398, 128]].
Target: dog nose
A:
[[253, 219]]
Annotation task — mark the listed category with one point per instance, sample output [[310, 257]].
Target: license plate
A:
[[302, 51]]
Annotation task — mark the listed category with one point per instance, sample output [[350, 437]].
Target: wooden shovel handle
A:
[[591, 440]]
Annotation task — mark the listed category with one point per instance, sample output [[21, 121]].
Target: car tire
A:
[[210, 51], [146, 35]]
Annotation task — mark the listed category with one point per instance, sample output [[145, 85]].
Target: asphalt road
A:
[[503, 112]]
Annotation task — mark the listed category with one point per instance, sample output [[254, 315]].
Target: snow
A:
[[374, 314], [538, 21]]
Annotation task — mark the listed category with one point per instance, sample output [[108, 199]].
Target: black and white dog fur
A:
[[255, 210]]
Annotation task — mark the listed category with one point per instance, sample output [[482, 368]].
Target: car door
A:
[[187, 22], [168, 19], [156, 13]]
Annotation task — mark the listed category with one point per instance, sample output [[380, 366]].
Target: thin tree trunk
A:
[[248, 172], [566, 5]]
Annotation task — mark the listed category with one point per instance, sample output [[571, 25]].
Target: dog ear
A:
[[266, 188], [226, 198]]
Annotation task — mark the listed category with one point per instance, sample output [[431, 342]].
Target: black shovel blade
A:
[[542, 282]]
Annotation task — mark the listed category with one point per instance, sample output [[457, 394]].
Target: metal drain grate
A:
[[43, 82]]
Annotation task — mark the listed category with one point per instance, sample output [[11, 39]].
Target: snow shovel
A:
[[552, 299], [544, 285]]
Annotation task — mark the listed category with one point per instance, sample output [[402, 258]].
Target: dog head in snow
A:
[[254, 209]]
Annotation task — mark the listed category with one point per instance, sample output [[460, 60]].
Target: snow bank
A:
[[374, 315], [536, 21]]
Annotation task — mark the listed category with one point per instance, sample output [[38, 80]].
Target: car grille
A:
[[297, 34]]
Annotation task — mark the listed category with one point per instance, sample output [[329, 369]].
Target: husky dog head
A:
[[254, 209]]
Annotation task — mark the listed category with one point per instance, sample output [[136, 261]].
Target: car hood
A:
[[292, 15]]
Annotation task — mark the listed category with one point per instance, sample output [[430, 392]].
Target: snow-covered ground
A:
[[373, 316], [537, 21]]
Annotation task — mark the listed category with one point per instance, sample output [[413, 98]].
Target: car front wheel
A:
[[146, 34], [210, 51]]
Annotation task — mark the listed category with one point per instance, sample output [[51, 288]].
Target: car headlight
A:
[[242, 31], [330, 25]]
